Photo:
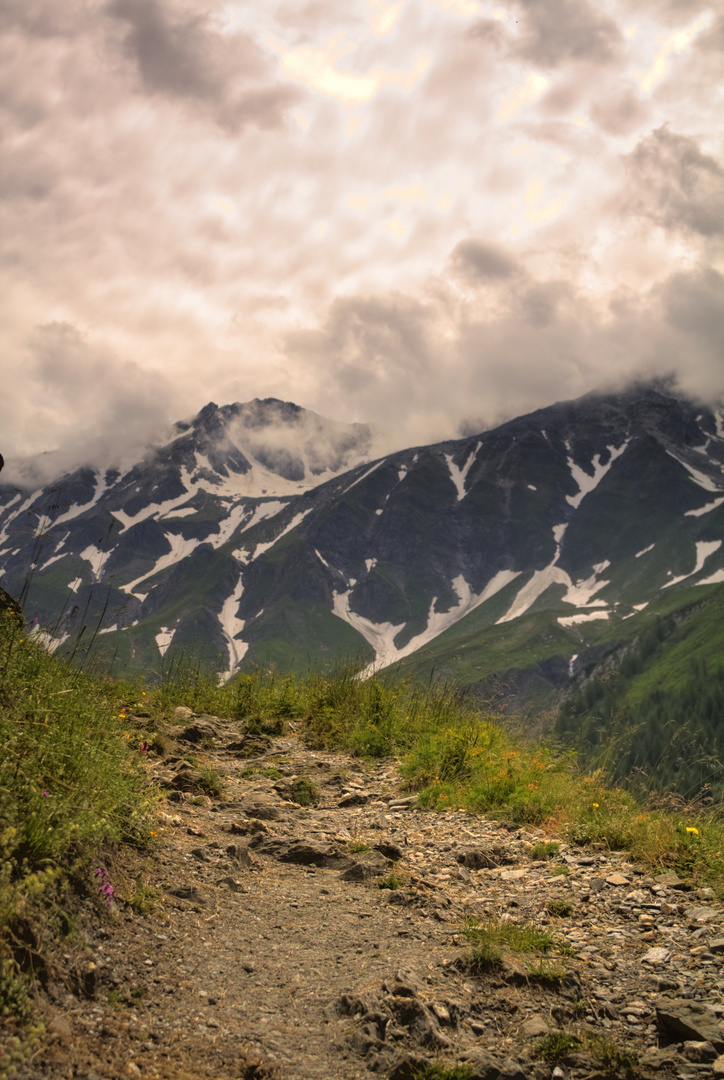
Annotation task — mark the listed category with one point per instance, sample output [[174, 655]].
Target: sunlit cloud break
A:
[[676, 42], [317, 69], [535, 86]]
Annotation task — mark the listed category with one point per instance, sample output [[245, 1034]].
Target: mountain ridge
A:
[[265, 533]]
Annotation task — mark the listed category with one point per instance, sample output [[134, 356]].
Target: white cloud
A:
[[529, 91], [330, 219]]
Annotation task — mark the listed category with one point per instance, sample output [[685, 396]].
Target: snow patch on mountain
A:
[[95, 559], [379, 635], [181, 548], [263, 512], [232, 626], [322, 559], [533, 588], [229, 525], [24, 505], [164, 638], [581, 593], [458, 475], [75, 511], [364, 476], [587, 483], [260, 548], [699, 478], [704, 549], [185, 511], [705, 509], [715, 579], [582, 617], [154, 510], [52, 559], [644, 551]]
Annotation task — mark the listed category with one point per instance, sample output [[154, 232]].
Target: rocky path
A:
[[276, 947]]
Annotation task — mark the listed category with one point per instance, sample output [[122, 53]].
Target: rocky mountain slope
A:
[[267, 938], [261, 533]]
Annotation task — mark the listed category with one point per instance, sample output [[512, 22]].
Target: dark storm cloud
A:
[[676, 185], [558, 31], [477, 261], [184, 56]]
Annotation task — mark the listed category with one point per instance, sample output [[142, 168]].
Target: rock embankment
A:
[[326, 941]]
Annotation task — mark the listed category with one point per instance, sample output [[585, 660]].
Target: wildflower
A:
[[145, 747], [45, 794], [691, 829], [595, 806]]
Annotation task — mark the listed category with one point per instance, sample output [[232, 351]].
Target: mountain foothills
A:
[[520, 560]]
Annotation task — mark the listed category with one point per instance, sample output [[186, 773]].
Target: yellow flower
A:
[[595, 806], [691, 829]]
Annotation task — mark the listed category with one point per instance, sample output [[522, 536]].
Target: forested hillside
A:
[[656, 715]]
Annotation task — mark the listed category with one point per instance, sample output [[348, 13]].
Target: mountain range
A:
[[260, 533]]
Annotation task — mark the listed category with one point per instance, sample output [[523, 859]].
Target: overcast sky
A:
[[431, 214]]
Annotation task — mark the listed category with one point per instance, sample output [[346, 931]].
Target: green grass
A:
[[559, 908], [492, 940], [544, 850], [389, 881], [556, 1046], [71, 782]]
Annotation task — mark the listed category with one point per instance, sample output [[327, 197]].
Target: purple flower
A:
[[45, 794]]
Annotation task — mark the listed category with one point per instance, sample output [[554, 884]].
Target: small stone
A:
[[513, 875], [638, 896], [534, 1027], [658, 955], [700, 915], [132, 1069], [688, 1020], [717, 945], [354, 798], [702, 1052], [617, 879], [232, 884], [705, 894], [670, 878], [718, 1067]]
